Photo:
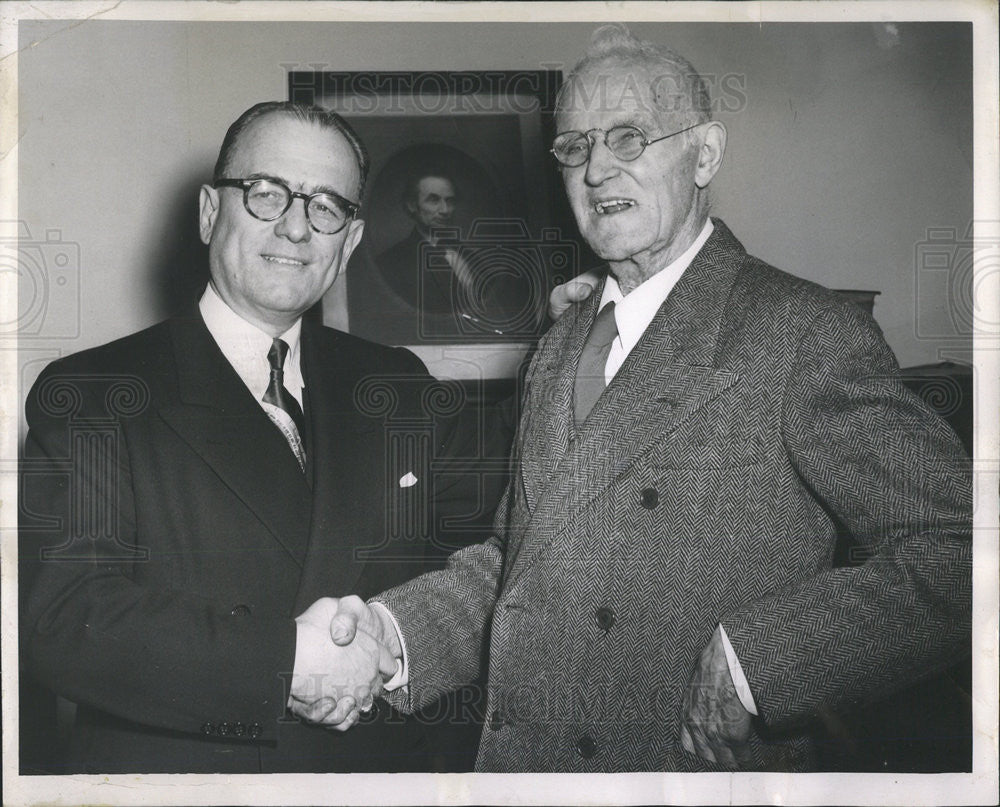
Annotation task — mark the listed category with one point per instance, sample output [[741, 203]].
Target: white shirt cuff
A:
[[402, 677], [736, 671]]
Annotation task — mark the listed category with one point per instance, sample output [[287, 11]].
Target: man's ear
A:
[[710, 153], [208, 209], [354, 232]]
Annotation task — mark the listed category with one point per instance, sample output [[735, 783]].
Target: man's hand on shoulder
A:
[[572, 292], [714, 724]]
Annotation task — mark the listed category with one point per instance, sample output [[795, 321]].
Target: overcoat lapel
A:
[[669, 375], [340, 440], [548, 427], [218, 418]]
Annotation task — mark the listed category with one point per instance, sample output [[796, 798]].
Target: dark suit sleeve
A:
[[896, 476], [93, 630]]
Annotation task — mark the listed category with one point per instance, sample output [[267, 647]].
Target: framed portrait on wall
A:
[[464, 237]]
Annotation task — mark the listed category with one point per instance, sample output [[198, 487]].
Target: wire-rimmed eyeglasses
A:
[[572, 148], [268, 199]]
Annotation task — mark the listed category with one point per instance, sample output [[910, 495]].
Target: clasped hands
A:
[[345, 651]]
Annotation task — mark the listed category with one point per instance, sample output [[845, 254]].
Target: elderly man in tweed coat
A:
[[659, 593]]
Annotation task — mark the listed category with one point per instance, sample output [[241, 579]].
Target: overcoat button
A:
[[650, 498], [223, 729], [239, 729], [586, 747], [605, 618], [255, 730], [208, 728]]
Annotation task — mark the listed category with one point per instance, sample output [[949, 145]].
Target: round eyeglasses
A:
[[268, 199], [573, 148]]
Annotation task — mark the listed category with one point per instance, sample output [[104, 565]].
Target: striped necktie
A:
[[282, 407]]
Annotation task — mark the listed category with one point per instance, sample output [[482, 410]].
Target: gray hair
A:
[[676, 88]]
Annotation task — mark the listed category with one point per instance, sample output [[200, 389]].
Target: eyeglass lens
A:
[[267, 200], [625, 142]]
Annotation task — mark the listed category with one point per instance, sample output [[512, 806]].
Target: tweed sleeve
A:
[[443, 617], [895, 474]]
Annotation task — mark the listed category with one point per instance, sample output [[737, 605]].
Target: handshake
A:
[[345, 652]]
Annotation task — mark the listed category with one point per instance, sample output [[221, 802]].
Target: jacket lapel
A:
[[342, 443], [218, 418], [668, 376], [547, 424]]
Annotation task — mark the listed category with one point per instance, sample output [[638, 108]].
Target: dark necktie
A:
[[288, 417], [590, 371]]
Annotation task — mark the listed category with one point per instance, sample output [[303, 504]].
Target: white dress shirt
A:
[[246, 346]]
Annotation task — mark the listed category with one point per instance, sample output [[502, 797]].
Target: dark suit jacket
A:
[[757, 413], [172, 538]]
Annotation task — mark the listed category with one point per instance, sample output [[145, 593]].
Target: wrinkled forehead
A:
[[613, 90]]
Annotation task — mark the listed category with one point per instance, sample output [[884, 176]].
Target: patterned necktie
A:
[[590, 372], [283, 409]]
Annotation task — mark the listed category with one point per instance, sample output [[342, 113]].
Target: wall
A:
[[847, 141]]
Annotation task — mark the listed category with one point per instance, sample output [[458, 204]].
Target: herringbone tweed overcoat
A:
[[757, 415]]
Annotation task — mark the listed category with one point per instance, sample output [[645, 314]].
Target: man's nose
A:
[[293, 224], [602, 163]]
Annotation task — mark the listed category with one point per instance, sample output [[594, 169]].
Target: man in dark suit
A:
[[659, 591], [189, 489]]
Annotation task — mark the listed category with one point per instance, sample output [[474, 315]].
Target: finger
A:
[[579, 290], [344, 624], [351, 719], [346, 706], [724, 755], [315, 712], [686, 741], [701, 746], [387, 664]]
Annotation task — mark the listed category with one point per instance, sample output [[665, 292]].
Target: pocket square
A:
[[407, 481]]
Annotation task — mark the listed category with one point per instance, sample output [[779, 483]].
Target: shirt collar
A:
[[634, 311], [245, 346]]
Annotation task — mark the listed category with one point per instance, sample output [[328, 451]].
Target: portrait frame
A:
[[489, 130]]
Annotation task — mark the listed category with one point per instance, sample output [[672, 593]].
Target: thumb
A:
[[344, 625], [578, 290], [387, 664]]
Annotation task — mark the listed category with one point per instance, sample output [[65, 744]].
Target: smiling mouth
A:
[[607, 207], [283, 261]]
